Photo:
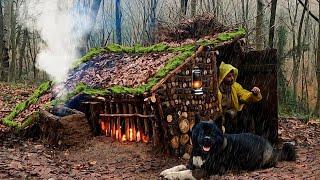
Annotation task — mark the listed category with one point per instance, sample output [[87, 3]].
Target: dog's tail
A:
[[287, 153]]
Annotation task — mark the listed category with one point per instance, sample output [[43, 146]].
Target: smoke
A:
[[61, 26]]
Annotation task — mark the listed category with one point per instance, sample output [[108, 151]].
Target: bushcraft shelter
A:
[[151, 94]]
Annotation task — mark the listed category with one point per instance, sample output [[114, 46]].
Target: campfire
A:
[[124, 129]]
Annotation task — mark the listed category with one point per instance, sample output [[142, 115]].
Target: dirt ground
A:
[[101, 158]]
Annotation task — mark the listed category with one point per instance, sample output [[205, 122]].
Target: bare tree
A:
[[297, 60], [183, 7], [13, 47], [272, 22], [92, 17], [153, 20], [194, 7], [259, 25], [118, 22], [2, 74], [317, 109]]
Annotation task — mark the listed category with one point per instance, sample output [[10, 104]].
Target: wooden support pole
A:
[[95, 108], [145, 120], [107, 119], [164, 126], [133, 123], [138, 119], [127, 123], [118, 122], [112, 120]]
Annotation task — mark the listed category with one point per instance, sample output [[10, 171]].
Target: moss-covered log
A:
[[9, 119]]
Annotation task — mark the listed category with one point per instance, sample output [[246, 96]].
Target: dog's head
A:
[[207, 136]]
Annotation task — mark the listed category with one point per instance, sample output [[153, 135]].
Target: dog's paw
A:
[[180, 175], [172, 176], [173, 169], [164, 173]]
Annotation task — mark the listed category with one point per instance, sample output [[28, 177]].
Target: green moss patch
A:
[[8, 120], [185, 51], [80, 88], [30, 120]]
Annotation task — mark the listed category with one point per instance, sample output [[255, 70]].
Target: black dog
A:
[[215, 153]]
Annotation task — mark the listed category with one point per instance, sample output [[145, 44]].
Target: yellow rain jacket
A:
[[237, 92]]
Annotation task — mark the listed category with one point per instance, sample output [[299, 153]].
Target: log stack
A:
[[179, 104]]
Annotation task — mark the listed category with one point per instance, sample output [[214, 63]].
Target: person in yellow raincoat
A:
[[232, 96]]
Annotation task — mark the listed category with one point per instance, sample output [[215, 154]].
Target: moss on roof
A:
[[185, 51], [8, 120]]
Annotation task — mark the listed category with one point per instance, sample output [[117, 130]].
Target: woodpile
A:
[[194, 28], [179, 104]]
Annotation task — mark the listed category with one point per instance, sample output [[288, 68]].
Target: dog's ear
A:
[[197, 118]]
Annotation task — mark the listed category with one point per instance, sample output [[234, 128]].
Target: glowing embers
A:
[[124, 129]]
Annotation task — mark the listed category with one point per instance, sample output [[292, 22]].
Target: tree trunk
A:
[[293, 21], [183, 8], [153, 20], [296, 63], [282, 42], [259, 25], [244, 20], [118, 22], [2, 72], [193, 7], [22, 51], [93, 12], [272, 22], [317, 109], [12, 67]]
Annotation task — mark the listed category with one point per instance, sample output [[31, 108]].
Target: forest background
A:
[[40, 39]]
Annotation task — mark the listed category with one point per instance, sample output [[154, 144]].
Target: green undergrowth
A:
[[8, 120], [184, 51]]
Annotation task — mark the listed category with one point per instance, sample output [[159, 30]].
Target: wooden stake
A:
[[145, 120], [118, 122], [133, 123], [124, 107]]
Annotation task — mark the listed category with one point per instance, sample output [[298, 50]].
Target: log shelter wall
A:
[[179, 104]]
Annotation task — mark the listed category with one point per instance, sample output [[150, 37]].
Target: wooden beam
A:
[[127, 115]]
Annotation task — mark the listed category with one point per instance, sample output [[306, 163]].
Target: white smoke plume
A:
[[57, 21]]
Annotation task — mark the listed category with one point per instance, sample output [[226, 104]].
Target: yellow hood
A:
[[224, 69]]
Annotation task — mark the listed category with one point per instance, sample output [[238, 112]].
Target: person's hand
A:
[[255, 90]]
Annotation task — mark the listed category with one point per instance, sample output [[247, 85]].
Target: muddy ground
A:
[[83, 156]]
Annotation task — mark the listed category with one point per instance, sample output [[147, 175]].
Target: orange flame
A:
[[130, 135], [138, 136], [124, 138], [145, 138], [117, 134], [103, 127]]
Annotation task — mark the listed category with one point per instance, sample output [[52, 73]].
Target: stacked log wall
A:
[[179, 104]]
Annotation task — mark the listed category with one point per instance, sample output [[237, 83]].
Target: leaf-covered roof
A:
[[136, 69]]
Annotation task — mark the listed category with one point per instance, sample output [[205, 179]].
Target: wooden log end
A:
[[184, 139], [184, 125], [175, 142]]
